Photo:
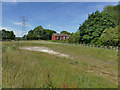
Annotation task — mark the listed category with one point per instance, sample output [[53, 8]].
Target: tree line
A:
[[101, 28], [7, 35], [39, 33]]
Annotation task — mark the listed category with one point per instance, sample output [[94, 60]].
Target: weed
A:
[[60, 72]]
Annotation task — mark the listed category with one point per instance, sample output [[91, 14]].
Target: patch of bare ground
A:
[[92, 68], [46, 50]]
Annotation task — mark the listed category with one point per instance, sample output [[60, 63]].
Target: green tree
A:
[[40, 33], [110, 36], [30, 35], [65, 32], [11, 35], [92, 28], [74, 38], [7, 35], [114, 11]]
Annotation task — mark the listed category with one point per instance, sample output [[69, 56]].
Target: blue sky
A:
[[56, 16]]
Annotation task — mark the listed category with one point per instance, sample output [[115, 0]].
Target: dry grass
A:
[[87, 67]]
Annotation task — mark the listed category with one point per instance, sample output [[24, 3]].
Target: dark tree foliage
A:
[[110, 36], [114, 11], [7, 35], [92, 28], [65, 32], [24, 37], [39, 33], [18, 38], [30, 35], [74, 38]]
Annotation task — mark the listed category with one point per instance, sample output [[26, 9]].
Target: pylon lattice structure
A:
[[23, 21]]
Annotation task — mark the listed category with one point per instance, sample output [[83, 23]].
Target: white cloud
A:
[[0, 27], [18, 23], [54, 26], [48, 25], [7, 28], [18, 33], [99, 6]]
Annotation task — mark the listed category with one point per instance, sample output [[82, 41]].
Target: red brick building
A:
[[57, 36]]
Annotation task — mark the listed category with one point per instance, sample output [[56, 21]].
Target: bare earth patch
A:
[[44, 49]]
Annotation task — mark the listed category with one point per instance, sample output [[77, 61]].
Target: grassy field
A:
[[86, 67]]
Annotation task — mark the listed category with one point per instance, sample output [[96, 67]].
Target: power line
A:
[[23, 21]]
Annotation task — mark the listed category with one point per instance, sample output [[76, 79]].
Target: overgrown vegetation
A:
[[94, 30], [86, 68], [110, 36]]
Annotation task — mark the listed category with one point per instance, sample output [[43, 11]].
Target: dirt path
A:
[[45, 49]]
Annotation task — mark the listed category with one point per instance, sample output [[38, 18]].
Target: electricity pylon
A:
[[23, 21]]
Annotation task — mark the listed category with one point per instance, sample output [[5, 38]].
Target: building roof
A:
[[57, 34]]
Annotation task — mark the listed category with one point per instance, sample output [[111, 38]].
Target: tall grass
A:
[[86, 68]]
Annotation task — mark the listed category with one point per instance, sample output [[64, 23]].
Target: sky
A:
[[56, 16]]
